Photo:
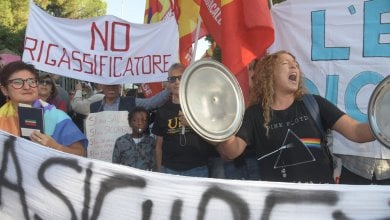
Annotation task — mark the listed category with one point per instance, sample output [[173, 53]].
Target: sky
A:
[[133, 11]]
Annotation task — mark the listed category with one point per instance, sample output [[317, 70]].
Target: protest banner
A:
[[40, 183], [102, 129], [343, 49], [37, 182], [103, 49]]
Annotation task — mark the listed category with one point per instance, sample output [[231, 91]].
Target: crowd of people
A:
[[278, 140]]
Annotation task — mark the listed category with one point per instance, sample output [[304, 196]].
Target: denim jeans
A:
[[246, 171], [216, 167], [196, 172]]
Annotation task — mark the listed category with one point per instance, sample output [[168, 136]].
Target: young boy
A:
[[136, 149]]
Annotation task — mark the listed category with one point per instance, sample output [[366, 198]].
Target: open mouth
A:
[[292, 77]]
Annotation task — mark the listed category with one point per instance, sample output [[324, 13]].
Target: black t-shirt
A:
[[301, 159], [179, 152]]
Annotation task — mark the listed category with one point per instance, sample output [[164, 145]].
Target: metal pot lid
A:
[[212, 100], [379, 111]]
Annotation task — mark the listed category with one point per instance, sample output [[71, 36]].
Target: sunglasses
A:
[[172, 79], [19, 83], [44, 82]]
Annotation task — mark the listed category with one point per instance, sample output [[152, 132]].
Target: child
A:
[[136, 149]]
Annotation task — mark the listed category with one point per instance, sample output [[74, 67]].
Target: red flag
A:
[[156, 10], [151, 89], [242, 28], [187, 15]]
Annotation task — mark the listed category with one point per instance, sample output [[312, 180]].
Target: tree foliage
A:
[[14, 15], [6, 17], [74, 9], [11, 39]]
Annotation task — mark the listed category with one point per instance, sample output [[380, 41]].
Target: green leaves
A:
[[14, 15]]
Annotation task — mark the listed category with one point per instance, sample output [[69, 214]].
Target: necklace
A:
[[182, 136]]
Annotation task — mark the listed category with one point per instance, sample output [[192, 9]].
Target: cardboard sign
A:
[[102, 129]]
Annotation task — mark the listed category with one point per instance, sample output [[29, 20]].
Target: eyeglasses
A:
[[44, 82], [19, 83], [172, 79]]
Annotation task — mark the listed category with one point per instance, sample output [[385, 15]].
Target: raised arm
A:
[[81, 105], [231, 148], [153, 102], [353, 130]]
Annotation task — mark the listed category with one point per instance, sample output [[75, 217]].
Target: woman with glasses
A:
[[47, 91], [19, 82]]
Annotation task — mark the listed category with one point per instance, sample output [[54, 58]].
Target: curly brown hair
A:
[[262, 91]]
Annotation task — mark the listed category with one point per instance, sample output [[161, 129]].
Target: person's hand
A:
[[78, 86], [43, 139], [182, 119]]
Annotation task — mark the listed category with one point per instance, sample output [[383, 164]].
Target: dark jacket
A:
[[126, 103]]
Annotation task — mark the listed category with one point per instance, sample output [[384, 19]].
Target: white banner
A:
[[40, 183], [343, 48], [102, 130], [104, 49]]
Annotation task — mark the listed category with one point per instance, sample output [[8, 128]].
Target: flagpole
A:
[[124, 84], [122, 3], [271, 3], [197, 33]]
